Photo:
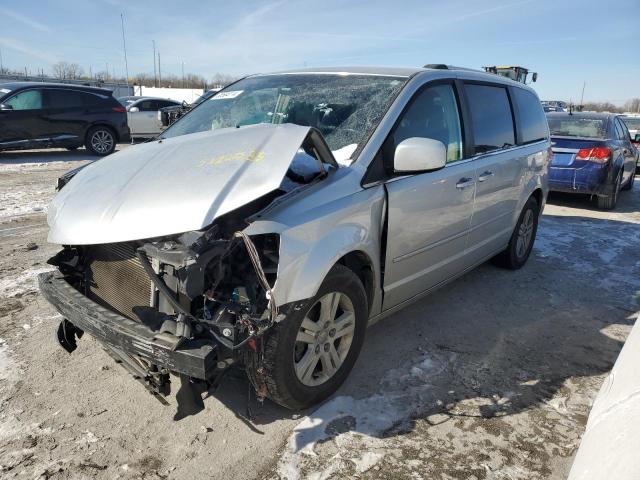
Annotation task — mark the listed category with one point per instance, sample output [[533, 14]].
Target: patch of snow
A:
[[403, 392], [22, 200], [25, 282], [343, 155]]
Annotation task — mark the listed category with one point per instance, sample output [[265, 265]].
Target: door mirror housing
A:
[[418, 154], [534, 77], [134, 109], [5, 107]]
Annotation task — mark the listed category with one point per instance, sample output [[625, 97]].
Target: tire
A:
[[278, 371], [609, 202], [100, 140], [631, 181], [522, 239]]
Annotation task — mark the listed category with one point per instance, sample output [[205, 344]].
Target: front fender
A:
[[310, 247]]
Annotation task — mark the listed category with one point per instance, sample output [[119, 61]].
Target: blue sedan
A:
[[592, 154]]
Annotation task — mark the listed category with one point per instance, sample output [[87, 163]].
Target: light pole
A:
[[183, 74], [155, 77], [124, 46]]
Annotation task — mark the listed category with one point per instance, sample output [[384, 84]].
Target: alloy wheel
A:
[[324, 339], [102, 141], [525, 234]]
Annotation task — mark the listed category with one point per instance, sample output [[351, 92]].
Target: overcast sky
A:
[[567, 42]]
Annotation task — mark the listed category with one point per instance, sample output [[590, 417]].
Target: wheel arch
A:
[[361, 264]]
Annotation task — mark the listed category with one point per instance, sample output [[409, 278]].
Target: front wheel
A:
[[100, 141], [307, 356], [521, 243]]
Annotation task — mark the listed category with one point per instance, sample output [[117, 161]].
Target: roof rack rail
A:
[[437, 66]]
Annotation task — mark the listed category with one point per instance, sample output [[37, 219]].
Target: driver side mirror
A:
[[5, 107], [134, 109], [418, 154], [534, 77]]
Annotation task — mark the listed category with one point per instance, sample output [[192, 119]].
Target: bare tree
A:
[[66, 70], [632, 105], [601, 107], [222, 80]]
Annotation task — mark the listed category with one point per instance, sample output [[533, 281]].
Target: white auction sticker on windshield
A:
[[225, 95]]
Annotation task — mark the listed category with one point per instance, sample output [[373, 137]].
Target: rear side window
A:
[[147, 105], [491, 117], [620, 131], [532, 123], [26, 100], [61, 98]]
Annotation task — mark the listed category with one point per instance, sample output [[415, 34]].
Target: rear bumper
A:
[[589, 180], [194, 358]]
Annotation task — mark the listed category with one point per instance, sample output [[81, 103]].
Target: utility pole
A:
[[159, 71], [155, 77], [183, 74], [106, 71], [582, 97], [1, 66], [124, 46]]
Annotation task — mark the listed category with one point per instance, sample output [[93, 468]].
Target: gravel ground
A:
[[491, 377]]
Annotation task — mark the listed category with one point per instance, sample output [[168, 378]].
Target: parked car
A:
[[142, 115], [48, 115], [592, 154], [168, 115], [633, 125], [274, 222]]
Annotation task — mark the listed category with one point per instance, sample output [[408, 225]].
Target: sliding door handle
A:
[[464, 182], [485, 176]]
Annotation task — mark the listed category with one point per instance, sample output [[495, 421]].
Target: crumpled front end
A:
[[190, 303]]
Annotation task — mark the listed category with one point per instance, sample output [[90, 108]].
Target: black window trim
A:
[[516, 133]]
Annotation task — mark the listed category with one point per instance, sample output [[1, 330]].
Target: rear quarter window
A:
[[491, 117], [531, 121]]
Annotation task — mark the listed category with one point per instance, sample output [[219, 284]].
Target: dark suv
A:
[[43, 115]]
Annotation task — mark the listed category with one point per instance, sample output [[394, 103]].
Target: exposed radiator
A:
[[116, 279]]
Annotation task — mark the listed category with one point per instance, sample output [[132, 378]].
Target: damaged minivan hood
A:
[[173, 185]]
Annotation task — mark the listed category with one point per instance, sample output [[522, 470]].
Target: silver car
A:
[[279, 218], [142, 114]]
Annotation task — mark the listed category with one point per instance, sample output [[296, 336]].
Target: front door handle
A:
[[464, 182], [485, 176]]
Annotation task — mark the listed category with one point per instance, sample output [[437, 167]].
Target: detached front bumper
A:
[[194, 358]]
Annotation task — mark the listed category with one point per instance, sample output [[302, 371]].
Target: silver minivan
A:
[[272, 223]]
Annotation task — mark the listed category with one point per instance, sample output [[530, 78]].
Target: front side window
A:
[[532, 123], [432, 113], [345, 108], [491, 117], [27, 100]]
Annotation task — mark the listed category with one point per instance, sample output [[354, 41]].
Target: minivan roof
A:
[[13, 86], [404, 72]]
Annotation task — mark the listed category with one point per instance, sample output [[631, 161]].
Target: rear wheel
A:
[[307, 356], [100, 141], [521, 243], [609, 202]]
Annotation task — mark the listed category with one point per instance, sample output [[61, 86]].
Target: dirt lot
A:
[[490, 378]]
